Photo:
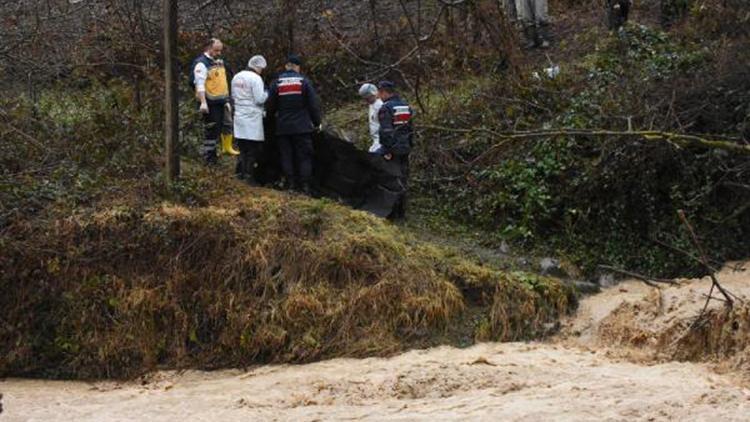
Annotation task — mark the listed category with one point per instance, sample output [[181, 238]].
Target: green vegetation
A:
[[110, 273], [254, 277], [597, 200]]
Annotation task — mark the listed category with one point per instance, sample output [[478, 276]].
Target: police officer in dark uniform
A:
[[295, 105], [396, 138]]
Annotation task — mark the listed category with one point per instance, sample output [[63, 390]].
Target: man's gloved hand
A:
[[204, 107], [228, 107]]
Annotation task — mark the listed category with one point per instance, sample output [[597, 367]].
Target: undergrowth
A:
[[600, 200], [109, 272]]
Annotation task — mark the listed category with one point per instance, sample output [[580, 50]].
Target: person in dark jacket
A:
[[294, 104], [617, 13], [209, 79], [396, 138]]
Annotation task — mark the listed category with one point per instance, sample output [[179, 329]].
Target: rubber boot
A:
[[226, 145]]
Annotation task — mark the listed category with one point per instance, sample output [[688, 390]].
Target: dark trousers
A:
[[251, 153], [399, 209], [296, 157], [212, 124]]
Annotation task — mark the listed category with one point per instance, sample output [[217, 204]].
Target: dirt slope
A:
[[578, 376], [646, 324]]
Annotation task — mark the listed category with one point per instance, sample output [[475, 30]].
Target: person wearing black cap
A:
[[293, 102], [396, 138]]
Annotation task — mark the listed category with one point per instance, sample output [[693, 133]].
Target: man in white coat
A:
[[249, 95], [369, 93]]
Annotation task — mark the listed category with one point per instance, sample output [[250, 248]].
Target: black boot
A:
[[529, 36], [251, 181], [285, 184], [239, 169], [305, 188], [541, 33]]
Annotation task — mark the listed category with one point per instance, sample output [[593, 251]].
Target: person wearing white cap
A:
[[249, 95], [369, 93]]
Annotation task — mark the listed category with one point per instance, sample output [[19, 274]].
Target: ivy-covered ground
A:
[[589, 199]]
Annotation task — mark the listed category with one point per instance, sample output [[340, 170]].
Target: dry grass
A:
[[262, 277]]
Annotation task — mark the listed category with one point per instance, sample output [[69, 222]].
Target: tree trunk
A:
[[171, 106]]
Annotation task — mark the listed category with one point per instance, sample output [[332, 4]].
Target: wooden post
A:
[[171, 105]]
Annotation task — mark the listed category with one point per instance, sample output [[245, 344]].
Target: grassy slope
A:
[[130, 283]]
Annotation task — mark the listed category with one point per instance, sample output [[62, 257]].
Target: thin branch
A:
[[679, 139], [704, 259], [683, 252], [646, 279]]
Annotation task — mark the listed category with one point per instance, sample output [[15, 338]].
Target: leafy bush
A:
[[602, 200]]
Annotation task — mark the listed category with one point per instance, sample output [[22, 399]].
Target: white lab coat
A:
[[249, 96], [375, 124]]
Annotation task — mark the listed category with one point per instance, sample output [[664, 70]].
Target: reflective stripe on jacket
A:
[[294, 103], [396, 127]]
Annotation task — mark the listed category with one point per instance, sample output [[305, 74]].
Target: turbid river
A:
[[570, 378]]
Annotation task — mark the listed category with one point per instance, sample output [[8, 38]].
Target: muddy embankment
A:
[[621, 357]]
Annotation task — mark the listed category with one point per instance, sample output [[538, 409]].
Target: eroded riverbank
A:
[[583, 374]]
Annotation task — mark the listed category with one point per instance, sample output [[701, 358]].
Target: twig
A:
[[648, 280], [704, 260], [684, 252], [709, 297], [28, 137]]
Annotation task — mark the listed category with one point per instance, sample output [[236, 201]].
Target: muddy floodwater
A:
[[569, 378]]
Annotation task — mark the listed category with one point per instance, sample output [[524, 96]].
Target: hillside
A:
[[110, 272]]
